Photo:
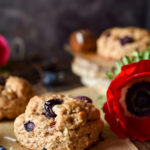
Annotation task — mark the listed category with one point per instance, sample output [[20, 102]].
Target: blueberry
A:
[[2, 81], [29, 126], [50, 78], [48, 107], [44, 149], [126, 40], [2, 148], [84, 98]]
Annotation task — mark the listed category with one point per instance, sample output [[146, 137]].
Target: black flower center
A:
[[48, 107], [138, 99]]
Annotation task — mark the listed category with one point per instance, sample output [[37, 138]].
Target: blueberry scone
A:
[[15, 93], [58, 122], [117, 42]]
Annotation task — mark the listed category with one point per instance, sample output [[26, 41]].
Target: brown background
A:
[[45, 25]]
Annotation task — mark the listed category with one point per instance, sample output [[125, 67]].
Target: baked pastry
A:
[[15, 93], [83, 41], [84, 67], [117, 42], [58, 122], [91, 73]]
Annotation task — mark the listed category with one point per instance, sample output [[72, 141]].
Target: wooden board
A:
[[109, 142]]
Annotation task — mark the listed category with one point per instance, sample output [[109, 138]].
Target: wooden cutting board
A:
[[109, 142]]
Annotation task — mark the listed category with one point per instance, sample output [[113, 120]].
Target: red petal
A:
[[136, 128], [114, 124]]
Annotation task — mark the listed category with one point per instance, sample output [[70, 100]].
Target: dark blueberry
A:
[[138, 99], [48, 107], [84, 98], [2, 81], [126, 40], [44, 149], [52, 78], [29, 126], [2, 148]]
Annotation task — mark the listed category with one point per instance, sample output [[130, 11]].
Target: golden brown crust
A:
[[110, 47]]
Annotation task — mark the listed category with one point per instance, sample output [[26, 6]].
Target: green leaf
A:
[[109, 75], [117, 70], [136, 59], [148, 49], [146, 55], [135, 54], [118, 65], [125, 60]]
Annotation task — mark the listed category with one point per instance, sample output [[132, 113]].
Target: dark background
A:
[[42, 27]]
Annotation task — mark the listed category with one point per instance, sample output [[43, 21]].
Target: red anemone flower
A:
[[4, 51], [127, 109]]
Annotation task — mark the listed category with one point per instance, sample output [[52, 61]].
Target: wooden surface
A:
[[109, 142]]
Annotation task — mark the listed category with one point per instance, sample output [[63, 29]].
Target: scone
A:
[[15, 93], [58, 122], [86, 68], [92, 74], [117, 42]]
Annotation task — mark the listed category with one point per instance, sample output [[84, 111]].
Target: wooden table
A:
[[109, 142]]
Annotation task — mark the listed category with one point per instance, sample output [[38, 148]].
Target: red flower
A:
[[127, 109], [4, 51]]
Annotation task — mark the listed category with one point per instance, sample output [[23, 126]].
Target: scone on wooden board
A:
[[111, 46], [58, 122], [15, 93]]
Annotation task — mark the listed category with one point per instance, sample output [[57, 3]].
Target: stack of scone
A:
[[110, 46]]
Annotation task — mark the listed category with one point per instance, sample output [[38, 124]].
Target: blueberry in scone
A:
[[29, 126], [58, 122], [84, 98], [15, 93], [117, 42]]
